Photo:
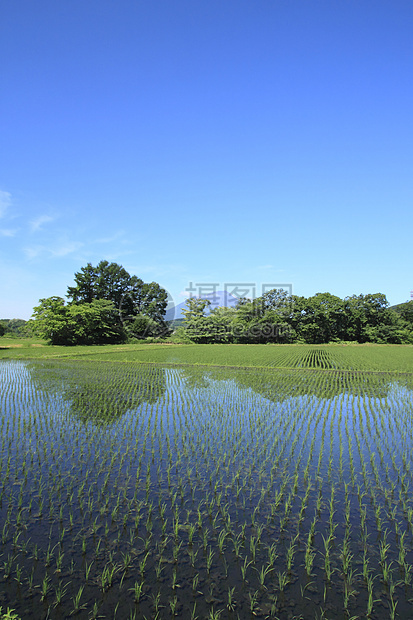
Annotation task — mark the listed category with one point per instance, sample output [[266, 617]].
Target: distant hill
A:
[[218, 299], [398, 307]]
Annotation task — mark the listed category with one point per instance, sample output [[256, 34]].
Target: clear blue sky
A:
[[206, 141]]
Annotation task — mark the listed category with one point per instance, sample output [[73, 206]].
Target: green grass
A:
[[368, 357], [34, 348]]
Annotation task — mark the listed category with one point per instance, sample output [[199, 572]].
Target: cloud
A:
[[34, 251], [67, 248], [114, 237], [5, 202], [7, 232], [159, 270], [64, 248], [37, 224]]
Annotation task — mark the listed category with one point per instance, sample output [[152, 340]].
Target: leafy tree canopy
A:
[[88, 323], [106, 305], [14, 327], [105, 281], [406, 311], [130, 295], [279, 317]]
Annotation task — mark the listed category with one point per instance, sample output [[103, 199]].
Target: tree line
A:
[[13, 328], [105, 306], [282, 318], [108, 305]]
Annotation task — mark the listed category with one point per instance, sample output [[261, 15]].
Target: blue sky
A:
[[207, 141]]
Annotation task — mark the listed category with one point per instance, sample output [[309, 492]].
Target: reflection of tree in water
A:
[[100, 391], [279, 385], [103, 391]]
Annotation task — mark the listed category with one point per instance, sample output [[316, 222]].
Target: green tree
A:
[[50, 321], [89, 323], [2, 329], [220, 323], [406, 311], [395, 333], [277, 300], [320, 318], [264, 319], [365, 312], [196, 324], [143, 326], [129, 294], [95, 323], [151, 300], [105, 281], [14, 327]]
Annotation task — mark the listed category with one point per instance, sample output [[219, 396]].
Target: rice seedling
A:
[[244, 568], [137, 591], [76, 601], [187, 478], [309, 559], [209, 558], [45, 587], [282, 580], [291, 552]]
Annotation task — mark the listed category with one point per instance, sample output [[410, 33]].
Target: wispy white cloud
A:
[[38, 222], [269, 268], [115, 237], [8, 232], [5, 202], [67, 248], [58, 250], [34, 251], [159, 270]]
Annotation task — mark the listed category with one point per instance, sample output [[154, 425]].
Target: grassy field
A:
[[368, 357]]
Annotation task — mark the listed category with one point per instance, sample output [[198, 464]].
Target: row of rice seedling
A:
[[368, 357], [136, 491], [377, 358], [211, 354]]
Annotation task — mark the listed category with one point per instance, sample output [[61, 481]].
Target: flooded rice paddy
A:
[[137, 491]]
